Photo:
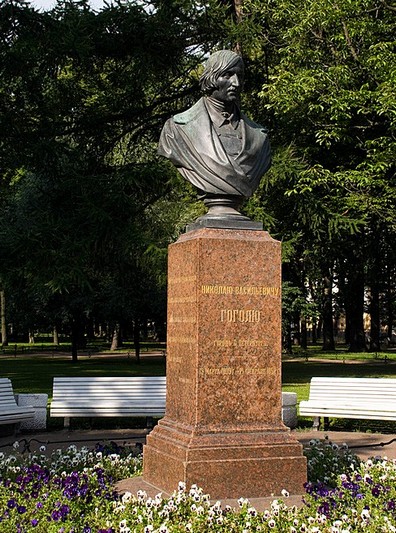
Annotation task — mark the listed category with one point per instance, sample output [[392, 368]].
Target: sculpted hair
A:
[[217, 63]]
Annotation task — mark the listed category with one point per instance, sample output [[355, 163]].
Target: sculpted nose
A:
[[235, 81]]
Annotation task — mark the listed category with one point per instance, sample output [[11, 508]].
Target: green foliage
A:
[[88, 209]]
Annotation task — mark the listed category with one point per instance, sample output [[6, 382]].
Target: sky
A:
[[48, 4]]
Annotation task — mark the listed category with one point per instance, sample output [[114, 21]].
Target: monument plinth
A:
[[223, 426]]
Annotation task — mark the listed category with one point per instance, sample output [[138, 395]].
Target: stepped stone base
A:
[[223, 428]]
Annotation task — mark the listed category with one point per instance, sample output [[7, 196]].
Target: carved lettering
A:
[[182, 300], [251, 290], [185, 380], [217, 289], [240, 315], [182, 319], [174, 359], [231, 371], [181, 340], [240, 343]]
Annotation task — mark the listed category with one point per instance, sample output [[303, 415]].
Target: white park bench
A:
[[142, 396], [10, 411], [358, 398]]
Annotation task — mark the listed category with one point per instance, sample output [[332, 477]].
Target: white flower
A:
[[271, 523], [42, 448], [15, 445], [365, 514], [181, 486], [148, 529], [141, 495], [242, 502], [163, 529], [126, 497], [285, 493]]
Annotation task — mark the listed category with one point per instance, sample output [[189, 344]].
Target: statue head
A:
[[219, 64]]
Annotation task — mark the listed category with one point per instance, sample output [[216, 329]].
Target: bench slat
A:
[[103, 396], [359, 398]]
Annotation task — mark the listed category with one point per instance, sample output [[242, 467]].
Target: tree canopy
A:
[[87, 209]]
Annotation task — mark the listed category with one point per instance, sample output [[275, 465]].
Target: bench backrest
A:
[[358, 389], [7, 397], [104, 388]]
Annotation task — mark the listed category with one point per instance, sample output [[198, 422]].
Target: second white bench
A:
[[358, 398], [108, 396]]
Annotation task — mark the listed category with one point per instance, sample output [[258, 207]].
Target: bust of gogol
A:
[[217, 148]]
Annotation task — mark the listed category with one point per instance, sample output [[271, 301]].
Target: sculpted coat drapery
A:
[[190, 141]]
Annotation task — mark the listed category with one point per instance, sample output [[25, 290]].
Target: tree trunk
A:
[[327, 313], [75, 337], [389, 298], [136, 339], [55, 336], [374, 318], [115, 342], [354, 311], [304, 338], [4, 338]]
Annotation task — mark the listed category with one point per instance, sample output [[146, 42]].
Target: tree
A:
[[329, 72], [84, 97]]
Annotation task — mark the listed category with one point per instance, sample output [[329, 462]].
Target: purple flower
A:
[[11, 504], [391, 505], [56, 515], [21, 509], [34, 522]]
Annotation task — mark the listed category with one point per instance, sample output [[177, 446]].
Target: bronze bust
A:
[[216, 147]]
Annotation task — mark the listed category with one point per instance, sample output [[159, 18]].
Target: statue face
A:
[[229, 84]]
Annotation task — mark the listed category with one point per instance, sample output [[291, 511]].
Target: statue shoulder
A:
[[253, 125], [190, 114]]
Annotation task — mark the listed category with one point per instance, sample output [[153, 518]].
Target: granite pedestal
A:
[[223, 426]]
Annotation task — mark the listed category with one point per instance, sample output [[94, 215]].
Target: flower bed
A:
[[73, 492]]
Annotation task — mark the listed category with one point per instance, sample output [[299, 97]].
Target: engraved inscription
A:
[[239, 290], [240, 343], [185, 380], [240, 315], [182, 319], [182, 300], [174, 359], [181, 340], [231, 371]]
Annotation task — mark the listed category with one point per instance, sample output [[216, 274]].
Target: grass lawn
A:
[[34, 373]]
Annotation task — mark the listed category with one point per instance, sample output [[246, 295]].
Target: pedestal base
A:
[[223, 427], [234, 465]]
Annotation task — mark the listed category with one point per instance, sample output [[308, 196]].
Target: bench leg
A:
[[326, 423], [316, 423], [66, 423]]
